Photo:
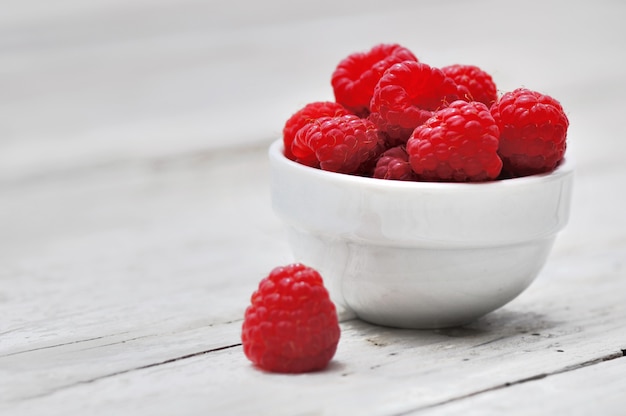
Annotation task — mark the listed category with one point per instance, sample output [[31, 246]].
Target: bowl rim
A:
[[276, 152]]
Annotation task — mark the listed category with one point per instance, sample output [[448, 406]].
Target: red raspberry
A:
[[367, 167], [356, 76], [459, 143], [407, 95], [338, 144], [306, 115], [291, 325], [479, 83], [533, 132], [394, 164]]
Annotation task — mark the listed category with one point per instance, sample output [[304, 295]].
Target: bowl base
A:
[[420, 288]]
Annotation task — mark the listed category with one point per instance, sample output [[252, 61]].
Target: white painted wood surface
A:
[[135, 218]]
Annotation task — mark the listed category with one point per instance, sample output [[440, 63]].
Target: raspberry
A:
[[308, 114], [479, 83], [356, 76], [291, 325], [338, 144], [394, 164], [459, 143], [533, 132], [367, 167], [407, 95]]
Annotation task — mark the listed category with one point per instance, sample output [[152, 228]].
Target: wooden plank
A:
[[106, 244], [552, 328], [583, 391]]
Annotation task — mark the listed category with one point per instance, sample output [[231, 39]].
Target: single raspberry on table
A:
[[458, 144], [337, 144], [479, 83], [355, 77], [407, 95], [306, 115], [291, 325], [394, 164], [533, 132]]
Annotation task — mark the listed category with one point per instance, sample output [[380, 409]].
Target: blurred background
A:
[[90, 83], [142, 126]]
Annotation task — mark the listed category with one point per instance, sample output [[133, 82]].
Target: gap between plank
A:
[[609, 357], [78, 341], [129, 370]]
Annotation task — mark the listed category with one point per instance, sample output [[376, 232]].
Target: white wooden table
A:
[[135, 218]]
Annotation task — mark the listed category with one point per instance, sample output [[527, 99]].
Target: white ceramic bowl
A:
[[420, 254]]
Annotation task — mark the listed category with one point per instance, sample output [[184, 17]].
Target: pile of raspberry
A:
[[395, 117]]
